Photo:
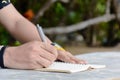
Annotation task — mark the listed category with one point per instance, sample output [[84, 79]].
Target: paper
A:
[[69, 67]]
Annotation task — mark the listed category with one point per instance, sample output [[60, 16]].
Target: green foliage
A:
[[17, 43], [59, 9], [73, 18], [53, 16], [118, 34], [100, 7], [102, 31], [66, 13], [4, 36]]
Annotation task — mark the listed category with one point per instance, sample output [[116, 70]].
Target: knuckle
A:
[[53, 58], [33, 48]]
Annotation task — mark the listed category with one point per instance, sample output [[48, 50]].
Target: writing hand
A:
[[31, 55]]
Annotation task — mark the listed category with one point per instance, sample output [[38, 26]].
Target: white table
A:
[[110, 59]]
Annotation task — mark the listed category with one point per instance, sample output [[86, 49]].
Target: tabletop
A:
[[110, 59]]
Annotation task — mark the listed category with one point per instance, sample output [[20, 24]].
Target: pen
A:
[[43, 38], [41, 33]]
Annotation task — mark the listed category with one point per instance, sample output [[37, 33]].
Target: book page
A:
[[69, 67]]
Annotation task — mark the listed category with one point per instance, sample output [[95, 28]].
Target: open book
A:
[[69, 67]]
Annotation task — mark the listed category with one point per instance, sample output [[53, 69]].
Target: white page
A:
[[69, 67]]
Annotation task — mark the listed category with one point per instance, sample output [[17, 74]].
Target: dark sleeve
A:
[[4, 3]]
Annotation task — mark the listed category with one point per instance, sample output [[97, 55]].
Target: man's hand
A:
[[68, 57], [31, 55]]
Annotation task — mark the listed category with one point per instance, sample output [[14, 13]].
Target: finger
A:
[[50, 49], [37, 65], [76, 60], [42, 61], [68, 57], [64, 57], [47, 55], [80, 61]]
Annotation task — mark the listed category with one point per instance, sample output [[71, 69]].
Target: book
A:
[[70, 67]]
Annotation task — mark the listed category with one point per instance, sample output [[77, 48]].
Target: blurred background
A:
[[80, 26]]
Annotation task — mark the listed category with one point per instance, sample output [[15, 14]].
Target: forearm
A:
[[19, 27], [25, 31]]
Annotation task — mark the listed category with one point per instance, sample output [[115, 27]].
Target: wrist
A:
[[2, 51], [7, 56]]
